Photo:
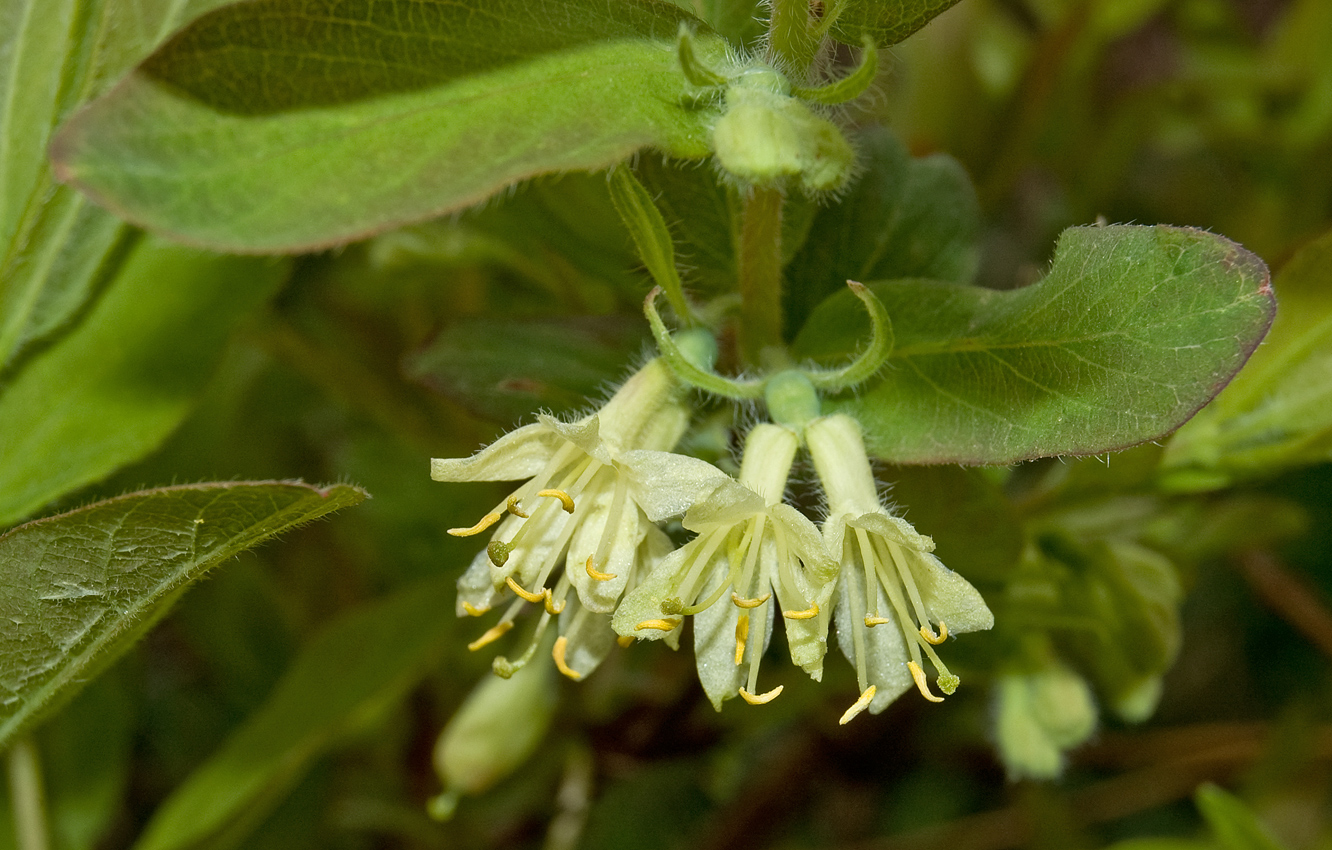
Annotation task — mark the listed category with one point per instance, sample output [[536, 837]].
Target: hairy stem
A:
[[790, 36], [760, 273], [27, 797]]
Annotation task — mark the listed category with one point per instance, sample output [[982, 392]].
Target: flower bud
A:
[[1039, 716]]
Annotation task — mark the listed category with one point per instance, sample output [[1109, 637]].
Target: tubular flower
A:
[[581, 531], [895, 601], [755, 560]]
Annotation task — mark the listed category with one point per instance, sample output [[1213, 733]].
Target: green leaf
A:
[[885, 21], [356, 667], [1278, 413], [110, 392], [651, 236], [56, 249], [78, 588], [1234, 824], [504, 370], [252, 130], [1132, 330], [903, 218]]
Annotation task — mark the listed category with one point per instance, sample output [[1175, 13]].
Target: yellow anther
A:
[[551, 607], [742, 602], [871, 622], [761, 699], [921, 685], [741, 635], [594, 573], [486, 522], [513, 506], [625, 641], [565, 499], [931, 637], [472, 610], [492, 634], [662, 625], [561, 647], [808, 614], [530, 597], [858, 706]]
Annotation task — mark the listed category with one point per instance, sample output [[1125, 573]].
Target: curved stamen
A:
[[560, 648], [918, 675], [472, 610], [513, 506], [761, 699], [808, 614], [485, 522], [741, 635], [565, 499], [876, 621], [661, 625], [858, 706], [595, 574], [931, 638], [491, 635], [540, 596], [742, 602]]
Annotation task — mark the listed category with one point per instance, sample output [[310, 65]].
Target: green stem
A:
[[27, 797], [790, 36], [760, 273]]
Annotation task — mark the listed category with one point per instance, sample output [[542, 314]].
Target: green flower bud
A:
[[1040, 715], [765, 137], [497, 728]]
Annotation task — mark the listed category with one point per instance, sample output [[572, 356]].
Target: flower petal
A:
[[601, 596], [476, 588], [589, 637], [892, 528], [519, 454], [715, 639], [731, 503], [585, 434], [948, 596], [665, 484], [643, 603], [885, 652]]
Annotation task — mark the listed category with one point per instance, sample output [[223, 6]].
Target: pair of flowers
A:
[[581, 541]]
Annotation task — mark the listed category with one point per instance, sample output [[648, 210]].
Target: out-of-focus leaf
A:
[[56, 249], [903, 218], [349, 673], [252, 130], [80, 587], [885, 21], [1233, 824], [1277, 414], [504, 370], [1132, 330], [111, 391]]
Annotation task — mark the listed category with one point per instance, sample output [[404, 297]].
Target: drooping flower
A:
[[892, 592], [749, 548], [585, 519]]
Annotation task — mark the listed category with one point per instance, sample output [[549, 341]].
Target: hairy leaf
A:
[[78, 588], [273, 126], [355, 667], [1278, 413], [110, 391], [885, 21], [1132, 330]]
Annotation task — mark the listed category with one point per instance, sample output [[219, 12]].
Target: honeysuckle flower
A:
[[585, 519], [750, 548], [892, 592]]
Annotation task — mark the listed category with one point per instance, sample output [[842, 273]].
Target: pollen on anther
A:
[[560, 648], [472, 610], [514, 508], [596, 574], [525, 594], [742, 602], [871, 622], [551, 607], [858, 706], [662, 625], [565, 499], [921, 685], [741, 635], [625, 641], [486, 522], [931, 638], [761, 699], [809, 613], [492, 634]]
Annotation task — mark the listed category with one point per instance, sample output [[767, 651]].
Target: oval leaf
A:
[[253, 130], [77, 589], [350, 671], [1132, 330]]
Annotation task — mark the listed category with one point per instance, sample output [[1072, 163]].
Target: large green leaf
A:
[[885, 21], [348, 674], [111, 391], [78, 588], [56, 249], [1278, 412], [903, 218], [272, 125], [1132, 330]]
